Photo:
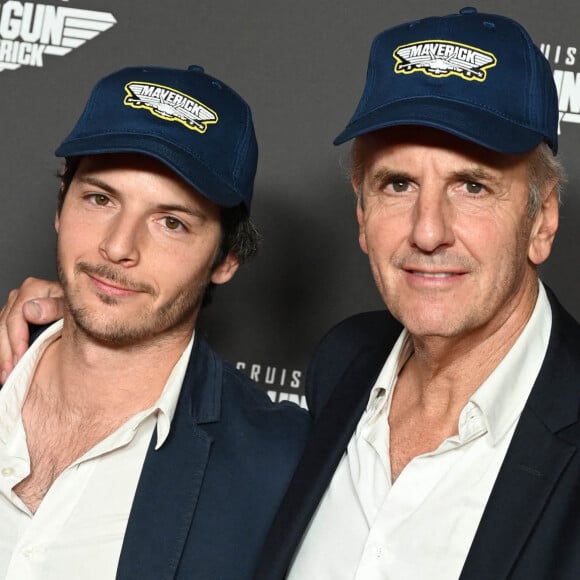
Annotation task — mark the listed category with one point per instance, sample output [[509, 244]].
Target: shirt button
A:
[[27, 553], [7, 471]]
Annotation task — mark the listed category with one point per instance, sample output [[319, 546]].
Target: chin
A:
[[430, 326]]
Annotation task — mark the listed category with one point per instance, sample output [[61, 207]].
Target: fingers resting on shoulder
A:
[[37, 302]]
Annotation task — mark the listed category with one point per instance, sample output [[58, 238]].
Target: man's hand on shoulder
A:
[[36, 302]]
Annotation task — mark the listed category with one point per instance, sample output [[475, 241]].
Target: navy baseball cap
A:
[[192, 122], [477, 76]]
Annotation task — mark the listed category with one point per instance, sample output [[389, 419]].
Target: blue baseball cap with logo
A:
[[477, 76], [192, 122]]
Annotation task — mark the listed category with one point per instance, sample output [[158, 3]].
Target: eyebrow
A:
[[476, 173], [383, 175], [175, 207], [88, 180], [164, 207]]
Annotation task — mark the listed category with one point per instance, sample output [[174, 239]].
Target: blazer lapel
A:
[[536, 458], [172, 476], [163, 507], [329, 438], [531, 469]]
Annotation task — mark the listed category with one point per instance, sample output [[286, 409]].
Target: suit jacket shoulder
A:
[[531, 523], [343, 370], [334, 355], [207, 496]]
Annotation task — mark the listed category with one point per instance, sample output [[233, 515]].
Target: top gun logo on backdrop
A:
[[562, 59], [30, 31], [281, 384]]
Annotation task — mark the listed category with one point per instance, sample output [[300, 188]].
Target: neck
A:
[[446, 371], [83, 375]]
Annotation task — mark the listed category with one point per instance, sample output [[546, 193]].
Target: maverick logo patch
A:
[[170, 104], [441, 58]]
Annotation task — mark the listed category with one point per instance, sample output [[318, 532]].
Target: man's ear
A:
[[56, 222], [360, 218], [544, 227], [357, 188], [225, 271]]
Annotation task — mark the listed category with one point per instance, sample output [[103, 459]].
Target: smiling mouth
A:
[[425, 275], [110, 282], [111, 288], [433, 274]]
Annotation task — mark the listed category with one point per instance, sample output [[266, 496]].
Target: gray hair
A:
[[544, 167]]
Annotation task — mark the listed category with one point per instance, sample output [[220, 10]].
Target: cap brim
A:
[[183, 163], [460, 119]]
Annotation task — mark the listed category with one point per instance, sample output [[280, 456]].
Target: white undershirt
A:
[[422, 526], [78, 529]]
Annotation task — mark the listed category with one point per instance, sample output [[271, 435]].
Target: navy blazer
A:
[[206, 497], [530, 528]]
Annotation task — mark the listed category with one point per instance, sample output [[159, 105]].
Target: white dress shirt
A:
[[78, 529], [421, 526]]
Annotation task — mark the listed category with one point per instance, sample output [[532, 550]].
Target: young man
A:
[[128, 449]]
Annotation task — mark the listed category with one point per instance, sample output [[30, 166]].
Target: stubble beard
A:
[[174, 316]]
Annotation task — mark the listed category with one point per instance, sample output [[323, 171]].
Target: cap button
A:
[[195, 68], [468, 10]]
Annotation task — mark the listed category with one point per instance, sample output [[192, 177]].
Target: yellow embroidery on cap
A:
[[442, 58], [170, 104]]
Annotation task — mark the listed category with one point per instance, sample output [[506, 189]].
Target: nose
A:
[[432, 225], [122, 241]]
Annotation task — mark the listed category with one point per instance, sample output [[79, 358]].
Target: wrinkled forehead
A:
[[393, 142]]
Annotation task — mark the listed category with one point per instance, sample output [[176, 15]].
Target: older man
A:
[[446, 447], [128, 449]]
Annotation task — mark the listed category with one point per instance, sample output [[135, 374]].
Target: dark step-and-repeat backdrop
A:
[[301, 65]]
